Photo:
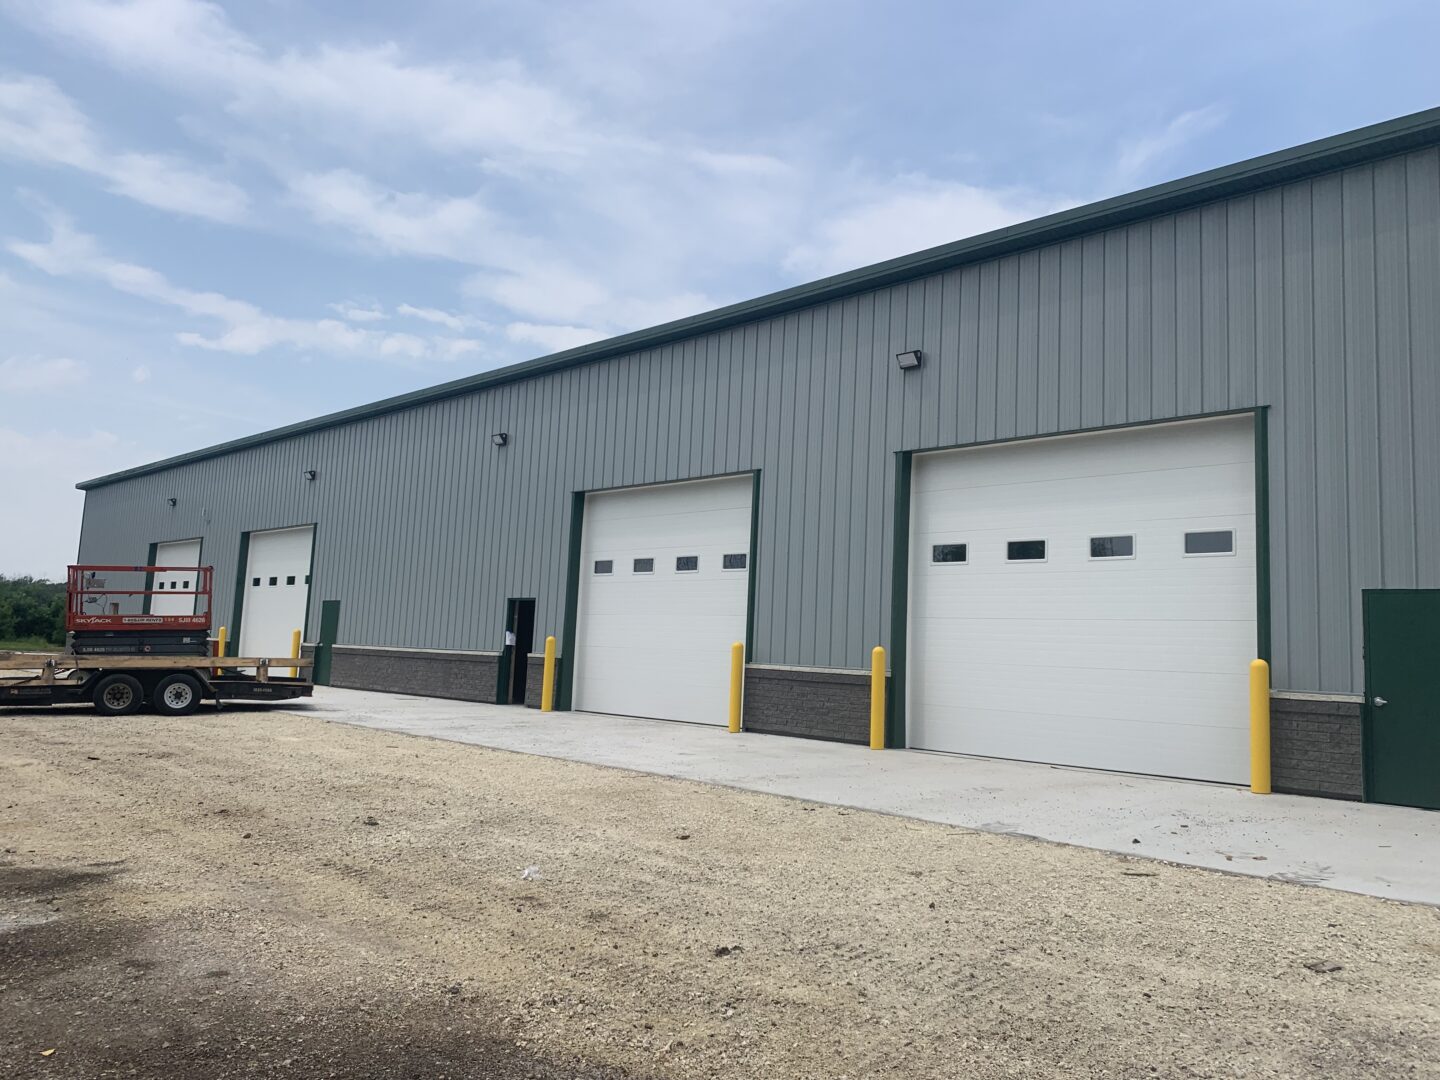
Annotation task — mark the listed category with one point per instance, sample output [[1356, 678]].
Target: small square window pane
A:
[[274, 581], [733, 562], [1025, 551], [187, 585], [687, 562], [644, 566], [1218, 542], [255, 581], [948, 553], [290, 580], [1112, 547], [604, 566]]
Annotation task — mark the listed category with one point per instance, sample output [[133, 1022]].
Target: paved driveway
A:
[[1380, 850]]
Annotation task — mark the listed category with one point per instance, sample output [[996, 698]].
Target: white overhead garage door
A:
[[277, 589], [664, 590], [184, 553], [1088, 600]]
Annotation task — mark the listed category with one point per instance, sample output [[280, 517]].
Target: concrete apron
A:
[[1386, 851]]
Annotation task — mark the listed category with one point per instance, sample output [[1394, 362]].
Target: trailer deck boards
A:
[[61, 661]]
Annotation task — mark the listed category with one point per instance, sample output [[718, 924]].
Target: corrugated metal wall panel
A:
[[1319, 299]]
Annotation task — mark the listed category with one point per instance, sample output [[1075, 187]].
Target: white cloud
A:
[[553, 338], [456, 348], [400, 222], [557, 295], [357, 313], [434, 315], [38, 123], [908, 215], [246, 328], [140, 374], [1141, 154], [340, 91], [21, 374], [568, 221]]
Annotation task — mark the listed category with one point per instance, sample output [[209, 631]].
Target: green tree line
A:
[[32, 609]]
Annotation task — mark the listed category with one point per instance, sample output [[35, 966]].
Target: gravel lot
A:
[[267, 894]]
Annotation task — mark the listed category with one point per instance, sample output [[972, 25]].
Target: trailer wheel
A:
[[176, 695], [118, 695]]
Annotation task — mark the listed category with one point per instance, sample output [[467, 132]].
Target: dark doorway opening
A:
[[519, 641]]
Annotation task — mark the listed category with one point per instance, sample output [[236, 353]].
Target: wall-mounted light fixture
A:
[[171, 501], [310, 474], [908, 360], [500, 438]]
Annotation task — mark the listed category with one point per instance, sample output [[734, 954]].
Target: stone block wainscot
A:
[[462, 676], [813, 703], [1316, 746]]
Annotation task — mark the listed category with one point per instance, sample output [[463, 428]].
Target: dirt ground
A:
[[262, 894]]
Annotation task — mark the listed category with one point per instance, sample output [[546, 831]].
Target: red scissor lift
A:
[[135, 641], [100, 615]]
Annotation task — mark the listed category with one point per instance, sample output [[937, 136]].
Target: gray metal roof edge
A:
[[1308, 159]]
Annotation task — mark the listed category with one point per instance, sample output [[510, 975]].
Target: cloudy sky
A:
[[221, 218]]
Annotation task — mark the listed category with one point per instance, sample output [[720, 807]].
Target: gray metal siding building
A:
[[1302, 288]]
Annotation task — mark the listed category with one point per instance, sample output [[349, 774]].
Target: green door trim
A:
[[895, 735], [750, 566], [565, 677], [242, 566], [1262, 533], [149, 576]]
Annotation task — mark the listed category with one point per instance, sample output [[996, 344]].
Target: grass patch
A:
[[33, 644]]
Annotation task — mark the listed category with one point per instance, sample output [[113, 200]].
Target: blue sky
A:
[[218, 219]]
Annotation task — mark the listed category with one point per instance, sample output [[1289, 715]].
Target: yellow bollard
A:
[[547, 687], [877, 698], [737, 683], [219, 647], [294, 651], [1260, 727]]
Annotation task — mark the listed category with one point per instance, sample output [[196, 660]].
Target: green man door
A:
[[1402, 696]]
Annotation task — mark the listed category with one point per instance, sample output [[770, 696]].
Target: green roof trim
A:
[[1309, 159]]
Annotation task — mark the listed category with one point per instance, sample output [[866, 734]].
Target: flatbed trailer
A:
[[169, 685]]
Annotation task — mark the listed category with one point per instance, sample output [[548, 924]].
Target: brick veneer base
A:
[[813, 704], [1315, 748], [461, 676]]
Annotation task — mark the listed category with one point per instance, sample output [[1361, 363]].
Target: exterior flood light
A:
[[171, 501], [310, 474], [908, 360], [500, 438]]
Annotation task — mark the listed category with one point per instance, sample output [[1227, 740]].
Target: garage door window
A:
[[1112, 547], [644, 566], [1212, 542], [949, 553], [733, 562], [687, 564], [1025, 551], [604, 566]]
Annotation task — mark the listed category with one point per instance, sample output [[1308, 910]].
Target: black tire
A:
[[176, 695], [118, 695]]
